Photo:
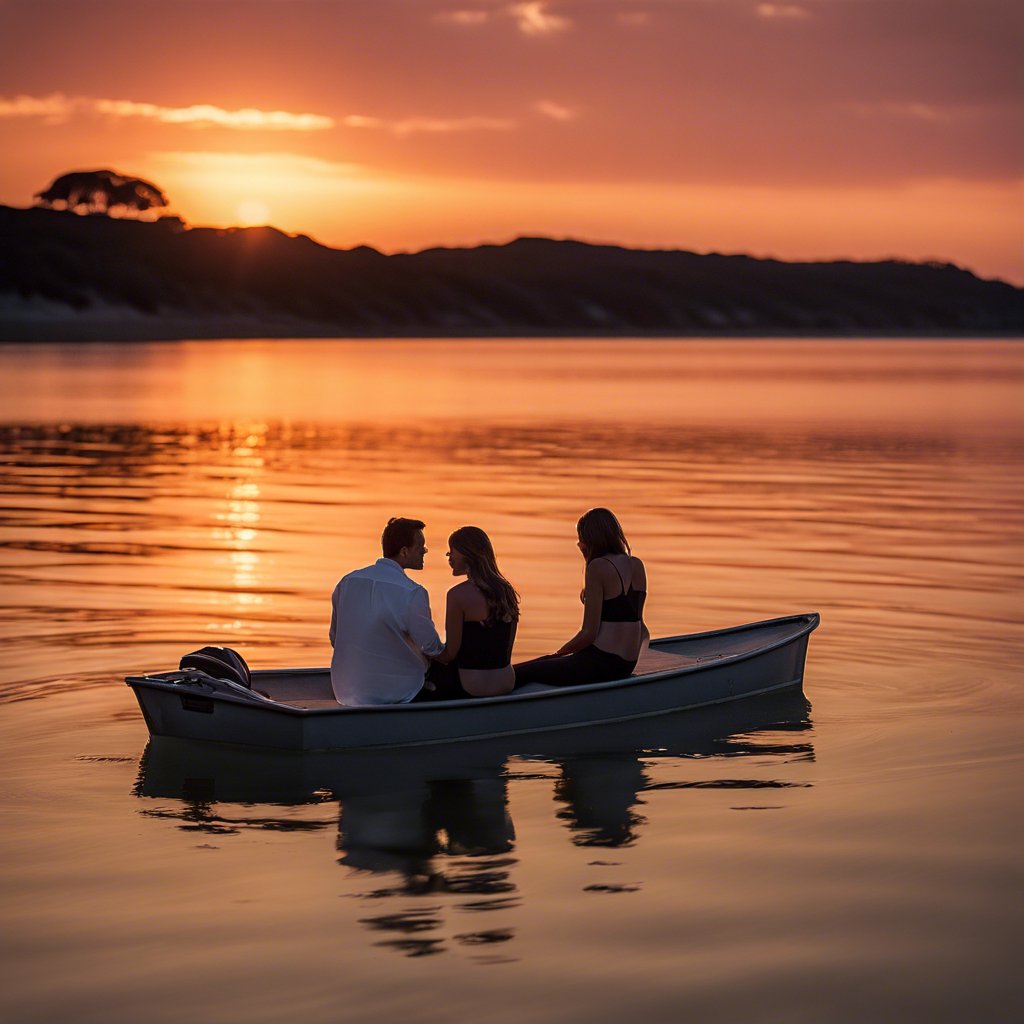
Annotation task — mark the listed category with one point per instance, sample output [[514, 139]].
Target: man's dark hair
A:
[[399, 533]]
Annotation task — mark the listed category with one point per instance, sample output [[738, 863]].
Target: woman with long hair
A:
[[481, 617], [613, 633]]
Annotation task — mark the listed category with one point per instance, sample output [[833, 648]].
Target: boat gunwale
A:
[[809, 620]]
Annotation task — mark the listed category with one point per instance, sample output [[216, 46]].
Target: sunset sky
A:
[[807, 129]]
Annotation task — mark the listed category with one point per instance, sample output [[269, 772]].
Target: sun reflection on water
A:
[[241, 510]]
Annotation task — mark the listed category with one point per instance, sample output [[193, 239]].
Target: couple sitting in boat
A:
[[387, 651]]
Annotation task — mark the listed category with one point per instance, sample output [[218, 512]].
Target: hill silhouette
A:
[[68, 277]]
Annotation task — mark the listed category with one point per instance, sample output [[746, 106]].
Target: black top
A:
[[485, 645], [625, 607]]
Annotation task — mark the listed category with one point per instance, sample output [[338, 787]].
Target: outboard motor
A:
[[219, 662]]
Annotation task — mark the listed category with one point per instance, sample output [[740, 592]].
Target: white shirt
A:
[[380, 624]]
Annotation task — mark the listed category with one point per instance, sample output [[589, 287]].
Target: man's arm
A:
[[420, 625], [334, 616]]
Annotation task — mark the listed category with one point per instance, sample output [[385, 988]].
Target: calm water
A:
[[850, 855]]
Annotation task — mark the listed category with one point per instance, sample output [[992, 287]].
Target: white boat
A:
[[295, 709]]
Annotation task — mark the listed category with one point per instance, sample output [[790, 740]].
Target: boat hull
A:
[[734, 665], [229, 773]]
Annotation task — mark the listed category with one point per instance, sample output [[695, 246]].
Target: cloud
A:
[[58, 108], [533, 19], [431, 125], [204, 115], [267, 163], [782, 11], [55, 107], [468, 18], [555, 111]]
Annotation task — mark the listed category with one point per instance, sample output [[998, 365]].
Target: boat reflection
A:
[[444, 839], [599, 794], [433, 823]]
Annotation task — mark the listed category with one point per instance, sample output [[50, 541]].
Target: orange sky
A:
[[806, 129]]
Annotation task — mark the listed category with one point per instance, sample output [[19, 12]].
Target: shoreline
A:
[[69, 278], [130, 330]]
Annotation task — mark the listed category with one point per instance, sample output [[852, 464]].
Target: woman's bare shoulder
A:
[[600, 569], [463, 592], [639, 570], [470, 598]]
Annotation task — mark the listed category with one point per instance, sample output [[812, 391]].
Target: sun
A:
[[251, 212]]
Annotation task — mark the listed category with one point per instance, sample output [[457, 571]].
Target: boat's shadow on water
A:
[[434, 821]]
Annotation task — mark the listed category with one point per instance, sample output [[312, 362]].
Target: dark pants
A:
[[591, 665], [447, 685]]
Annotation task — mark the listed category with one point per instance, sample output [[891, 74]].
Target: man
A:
[[381, 629]]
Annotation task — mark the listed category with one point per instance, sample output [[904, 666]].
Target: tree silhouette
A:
[[101, 191]]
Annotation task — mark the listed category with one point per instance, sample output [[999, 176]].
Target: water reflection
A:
[[431, 830], [441, 839], [599, 794]]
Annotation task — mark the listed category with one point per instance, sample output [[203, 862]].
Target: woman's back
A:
[[485, 645], [623, 580], [613, 633], [485, 652]]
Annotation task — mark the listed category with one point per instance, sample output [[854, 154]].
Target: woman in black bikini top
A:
[[480, 623], [627, 605], [613, 633]]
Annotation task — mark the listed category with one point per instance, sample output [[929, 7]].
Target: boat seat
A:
[[660, 661], [650, 661]]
